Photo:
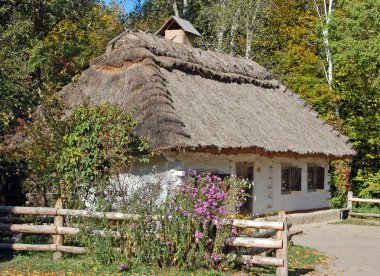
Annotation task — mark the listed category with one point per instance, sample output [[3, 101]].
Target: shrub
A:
[[74, 157], [188, 229]]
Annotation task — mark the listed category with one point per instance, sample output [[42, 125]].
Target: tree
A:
[[43, 45], [355, 45], [324, 16], [75, 156]]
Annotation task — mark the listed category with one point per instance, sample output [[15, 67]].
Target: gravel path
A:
[[352, 249]]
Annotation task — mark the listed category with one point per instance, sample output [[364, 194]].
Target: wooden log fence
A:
[[274, 238], [351, 199]]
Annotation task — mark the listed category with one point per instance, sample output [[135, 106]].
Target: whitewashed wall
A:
[[267, 177]]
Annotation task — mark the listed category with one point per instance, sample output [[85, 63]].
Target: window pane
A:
[[285, 180], [310, 178], [320, 177], [296, 179]]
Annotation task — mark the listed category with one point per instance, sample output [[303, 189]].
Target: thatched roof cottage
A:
[[210, 111]]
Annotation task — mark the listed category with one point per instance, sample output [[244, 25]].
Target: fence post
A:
[[349, 202], [58, 239], [283, 252]]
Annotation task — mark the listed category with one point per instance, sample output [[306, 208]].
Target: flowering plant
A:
[[188, 229]]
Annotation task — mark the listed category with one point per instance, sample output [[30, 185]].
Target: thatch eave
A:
[[249, 150]]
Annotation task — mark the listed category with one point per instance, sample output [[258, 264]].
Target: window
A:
[[290, 179], [320, 177], [315, 177]]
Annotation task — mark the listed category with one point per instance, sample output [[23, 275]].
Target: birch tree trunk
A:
[[220, 37], [185, 8], [325, 18], [221, 30], [234, 27], [250, 28], [175, 8]]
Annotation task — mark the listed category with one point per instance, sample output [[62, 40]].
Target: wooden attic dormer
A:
[[178, 30]]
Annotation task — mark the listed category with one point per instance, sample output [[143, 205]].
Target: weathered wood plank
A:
[[282, 253], [42, 247], [58, 223], [16, 210], [88, 214], [38, 229], [253, 242], [367, 200], [241, 223], [350, 195], [260, 260]]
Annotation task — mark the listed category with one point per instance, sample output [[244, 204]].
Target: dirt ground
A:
[[352, 249]]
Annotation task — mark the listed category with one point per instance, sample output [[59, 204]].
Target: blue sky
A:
[[126, 5]]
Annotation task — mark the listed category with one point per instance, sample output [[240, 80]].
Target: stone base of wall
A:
[[310, 217]]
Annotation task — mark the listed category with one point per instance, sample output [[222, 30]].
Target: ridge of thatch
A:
[[190, 99]]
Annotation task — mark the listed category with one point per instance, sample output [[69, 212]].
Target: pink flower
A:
[[215, 258], [234, 231], [198, 235], [168, 242]]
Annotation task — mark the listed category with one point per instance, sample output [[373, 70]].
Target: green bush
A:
[[74, 157], [339, 201], [186, 230]]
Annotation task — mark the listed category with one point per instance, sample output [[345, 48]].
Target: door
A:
[[244, 170]]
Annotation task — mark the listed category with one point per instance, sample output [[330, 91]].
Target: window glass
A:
[[315, 177], [296, 179], [320, 177], [285, 179], [310, 178], [290, 178]]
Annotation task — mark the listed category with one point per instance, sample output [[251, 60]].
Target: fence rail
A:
[[351, 199], [275, 238]]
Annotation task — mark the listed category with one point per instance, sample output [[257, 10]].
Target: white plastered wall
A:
[[267, 177]]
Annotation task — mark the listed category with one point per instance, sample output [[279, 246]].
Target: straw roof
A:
[[189, 99]]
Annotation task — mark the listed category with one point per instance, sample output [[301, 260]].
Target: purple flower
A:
[[215, 258], [168, 242], [234, 231], [198, 235], [122, 267]]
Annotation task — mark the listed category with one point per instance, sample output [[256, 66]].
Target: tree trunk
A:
[[222, 28], [251, 22], [234, 27], [185, 8], [175, 8], [325, 19]]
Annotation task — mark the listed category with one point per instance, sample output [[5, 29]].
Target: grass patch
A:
[[42, 262], [301, 261], [359, 221], [374, 210]]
